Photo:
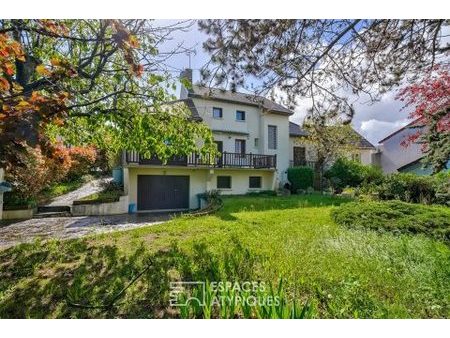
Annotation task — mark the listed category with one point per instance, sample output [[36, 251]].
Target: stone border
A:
[[101, 209]]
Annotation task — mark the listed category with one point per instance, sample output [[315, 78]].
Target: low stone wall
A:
[[18, 214], [101, 209]]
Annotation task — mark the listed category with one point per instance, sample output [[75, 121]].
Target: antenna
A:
[[188, 53]]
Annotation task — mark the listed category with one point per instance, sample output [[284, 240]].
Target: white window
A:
[[272, 137]]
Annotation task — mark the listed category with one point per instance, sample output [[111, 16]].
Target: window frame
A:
[[275, 140], [214, 110], [244, 148], [224, 176], [243, 115], [250, 182]]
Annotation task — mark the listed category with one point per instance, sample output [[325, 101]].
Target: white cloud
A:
[[375, 130]]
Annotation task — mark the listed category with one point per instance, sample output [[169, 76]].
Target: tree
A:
[[330, 141], [99, 82], [430, 99], [327, 61]]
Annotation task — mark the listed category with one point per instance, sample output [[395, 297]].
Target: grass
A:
[[59, 189], [339, 272], [103, 196], [111, 193]]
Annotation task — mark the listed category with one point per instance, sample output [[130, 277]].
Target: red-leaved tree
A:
[[430, 100]]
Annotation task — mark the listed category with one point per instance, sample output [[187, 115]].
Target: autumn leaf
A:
[[8, 68], [41, 70], [55, 62], [4, 84]]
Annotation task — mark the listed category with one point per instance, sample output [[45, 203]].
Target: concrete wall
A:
[[18, 214], [101, 209], [240, 180], [394, 155], [202, 180]]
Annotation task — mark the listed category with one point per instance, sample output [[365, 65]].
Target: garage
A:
[[162, 192]]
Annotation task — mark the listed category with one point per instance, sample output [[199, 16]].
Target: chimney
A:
[[185, 75]]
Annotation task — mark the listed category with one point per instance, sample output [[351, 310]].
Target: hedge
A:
[[300, 178], [396, 216]]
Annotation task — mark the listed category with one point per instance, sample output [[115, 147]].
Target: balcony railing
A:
[[226, 160], [304, 163]]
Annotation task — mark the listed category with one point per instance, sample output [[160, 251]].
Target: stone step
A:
[[52, 214], [53, 208]]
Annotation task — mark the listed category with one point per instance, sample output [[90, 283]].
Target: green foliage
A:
[[347, 173], [262, 193], [301, 178], [227, 303], [408, 188], [442, 185], [396, 216]]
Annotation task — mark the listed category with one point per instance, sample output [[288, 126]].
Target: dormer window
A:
[[240, 115], [217, 113]]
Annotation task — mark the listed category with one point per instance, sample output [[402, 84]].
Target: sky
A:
[[374, 121]]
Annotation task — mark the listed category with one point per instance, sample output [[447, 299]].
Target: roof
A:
[[190, 105], [414, 123], [237, 97], [296, 131], [363, 142]]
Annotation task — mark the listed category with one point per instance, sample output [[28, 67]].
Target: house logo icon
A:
[[180, 293]]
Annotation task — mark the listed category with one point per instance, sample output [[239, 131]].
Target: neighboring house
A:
[[252, 133], [303, 153], [398, 158]]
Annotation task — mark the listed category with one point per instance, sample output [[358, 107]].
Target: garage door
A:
[[163, 192]]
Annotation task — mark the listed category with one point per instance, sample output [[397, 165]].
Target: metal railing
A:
[[226, 160], [310, 164]]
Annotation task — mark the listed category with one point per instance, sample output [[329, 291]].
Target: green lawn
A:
[[340, 272]]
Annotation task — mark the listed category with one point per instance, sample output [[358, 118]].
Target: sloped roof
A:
[[190, 105], [296, 131], [237, 97]]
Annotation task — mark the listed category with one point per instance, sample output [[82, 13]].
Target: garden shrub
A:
[[301, 178], [395, 216], [35, 173], [83, 159], [347, 173], [408, 188]]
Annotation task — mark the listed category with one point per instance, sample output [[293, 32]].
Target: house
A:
[[302, 153], [396, 157], [256, 140], [252, 133]]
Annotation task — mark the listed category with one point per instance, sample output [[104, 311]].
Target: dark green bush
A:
[[300, 178], [395, 216], [347, 173], [408, 188]]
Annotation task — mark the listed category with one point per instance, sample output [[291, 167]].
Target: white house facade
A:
[[253, 135]]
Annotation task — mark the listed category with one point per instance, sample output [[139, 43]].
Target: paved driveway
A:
[[73, 227]]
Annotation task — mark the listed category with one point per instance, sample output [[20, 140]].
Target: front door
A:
[[299, 156]]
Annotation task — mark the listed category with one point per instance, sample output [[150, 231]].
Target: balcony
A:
[[226, 160]]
